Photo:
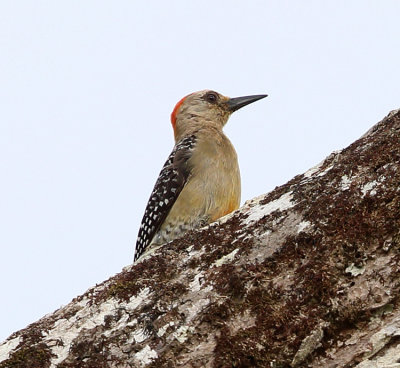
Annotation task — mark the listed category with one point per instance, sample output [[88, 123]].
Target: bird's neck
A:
[[184, 129]]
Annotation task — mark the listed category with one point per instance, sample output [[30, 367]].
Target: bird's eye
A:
[[211, 97]]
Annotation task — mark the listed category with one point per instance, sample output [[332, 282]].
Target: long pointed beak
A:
[[238, 102]]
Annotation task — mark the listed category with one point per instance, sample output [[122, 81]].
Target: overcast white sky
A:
[[86, 90]]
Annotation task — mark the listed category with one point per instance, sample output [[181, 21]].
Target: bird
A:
[[200, 181]]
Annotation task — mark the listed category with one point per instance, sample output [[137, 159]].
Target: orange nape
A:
[[175, 111]]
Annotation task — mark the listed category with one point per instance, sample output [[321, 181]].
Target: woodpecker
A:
[[200, 181]]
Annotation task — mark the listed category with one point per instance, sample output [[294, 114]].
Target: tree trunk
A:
[[307, 275]]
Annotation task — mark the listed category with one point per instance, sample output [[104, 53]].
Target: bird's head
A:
[[206, 107]]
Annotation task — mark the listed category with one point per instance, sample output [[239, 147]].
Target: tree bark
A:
[[307, 275]]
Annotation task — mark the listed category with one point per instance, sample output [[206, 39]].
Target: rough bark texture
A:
[[307, 275]]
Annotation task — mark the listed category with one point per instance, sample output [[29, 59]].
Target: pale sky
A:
[[86, 91]]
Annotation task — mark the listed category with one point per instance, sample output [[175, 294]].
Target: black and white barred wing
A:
[[169, 184]]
